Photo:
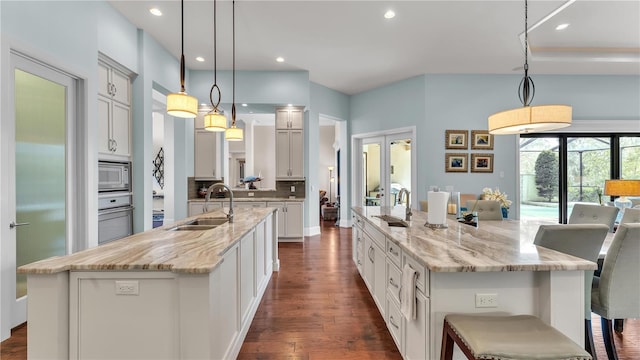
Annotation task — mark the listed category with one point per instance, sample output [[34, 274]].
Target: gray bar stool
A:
[[515, 337]]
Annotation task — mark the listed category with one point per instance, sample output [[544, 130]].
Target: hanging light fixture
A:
[[215, 120], [180, 104], [234, 133], [529, 118]]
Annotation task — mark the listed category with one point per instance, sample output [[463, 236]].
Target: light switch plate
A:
[[293, 188]]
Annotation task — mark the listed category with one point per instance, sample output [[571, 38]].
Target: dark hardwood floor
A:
[[318, 307]]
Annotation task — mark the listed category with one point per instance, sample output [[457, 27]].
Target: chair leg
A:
[[446, 352], [588, 339], [607, 334], [618, 325]]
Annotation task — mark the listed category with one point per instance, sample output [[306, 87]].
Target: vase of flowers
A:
[[489, 194]]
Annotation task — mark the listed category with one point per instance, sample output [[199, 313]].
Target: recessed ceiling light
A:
[[390, 14], [562, 26], [245, 105], [289, 104], [280, 59], [155, 11], [200, 58]]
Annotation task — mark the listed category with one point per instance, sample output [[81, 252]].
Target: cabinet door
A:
[[282, 154], [369, 263], [260, 268], [103, 80], [104, 135], [296, 118], [226, 303], [120, 87], [120, 129], [296, 153], [380, 278], [416, 330], [247, 274], [205, 154], [282, 119], [294, 219]]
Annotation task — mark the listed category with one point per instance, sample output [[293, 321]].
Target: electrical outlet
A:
[[250, 194], [129, 287], [293, 188], [486, 300]]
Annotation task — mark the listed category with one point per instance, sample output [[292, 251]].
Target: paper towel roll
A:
[[438, 200]]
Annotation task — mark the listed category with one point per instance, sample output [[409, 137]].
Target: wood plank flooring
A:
[[318, 307]]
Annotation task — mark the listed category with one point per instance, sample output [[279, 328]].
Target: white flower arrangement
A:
[[489, 194]]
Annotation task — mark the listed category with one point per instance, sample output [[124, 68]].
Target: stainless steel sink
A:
[[204, 223], [392, 220], [192, 227], [208, 221]]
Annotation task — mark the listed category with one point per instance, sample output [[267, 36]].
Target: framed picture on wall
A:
[[456, 139], [482, 163], [454, 162], [481, 140]]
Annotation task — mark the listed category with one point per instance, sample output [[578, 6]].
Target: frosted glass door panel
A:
[[399, 169], [40, 152]]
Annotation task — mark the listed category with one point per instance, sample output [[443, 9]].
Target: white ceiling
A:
[[348, 45]]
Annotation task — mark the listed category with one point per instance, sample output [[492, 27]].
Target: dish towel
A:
[[408, 292]]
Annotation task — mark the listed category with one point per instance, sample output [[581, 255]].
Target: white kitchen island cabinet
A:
[[456, 265], [160, 294]]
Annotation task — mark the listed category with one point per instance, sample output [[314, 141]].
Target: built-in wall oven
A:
[[115, 210]]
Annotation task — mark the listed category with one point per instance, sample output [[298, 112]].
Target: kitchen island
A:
[[463, 269], [160, 294]]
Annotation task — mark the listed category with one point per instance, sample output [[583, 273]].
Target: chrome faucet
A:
[[408, 210], [210, 190]]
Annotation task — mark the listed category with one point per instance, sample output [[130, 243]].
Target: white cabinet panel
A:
[[205, 155], [121, 129], [104, 119], [290, 218], [114, 112], [247, 274], [416, 331]]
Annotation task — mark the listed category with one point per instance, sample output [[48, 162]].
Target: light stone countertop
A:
[[197, 251], [499, 245], [249, 199]]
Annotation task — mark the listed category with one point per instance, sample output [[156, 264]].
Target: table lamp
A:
[[622, 188]]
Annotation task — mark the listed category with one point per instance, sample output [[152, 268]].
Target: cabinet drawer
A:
[[422, 281], [375, 235], [394, 253], [394, 322], [394, 280]]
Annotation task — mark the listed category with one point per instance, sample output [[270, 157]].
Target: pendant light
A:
[[527, 119], [180, 104], [234, 133], [215, 120]]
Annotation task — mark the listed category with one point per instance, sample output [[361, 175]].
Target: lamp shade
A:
[[214, 121], [530, 119], [233, 134], [617, 187], [182, 105]]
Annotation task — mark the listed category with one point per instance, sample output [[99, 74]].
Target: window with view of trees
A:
[[560, 170]]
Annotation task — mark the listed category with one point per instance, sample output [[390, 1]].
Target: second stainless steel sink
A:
[[208, 221], [203, 223], [392, 220]]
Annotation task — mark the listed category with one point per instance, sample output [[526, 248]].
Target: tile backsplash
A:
[[283, 189]]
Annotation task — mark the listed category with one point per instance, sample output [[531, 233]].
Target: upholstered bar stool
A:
[[593, 214], [516, 337]]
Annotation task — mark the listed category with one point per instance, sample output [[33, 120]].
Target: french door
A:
[[387, 165], [38, 163]]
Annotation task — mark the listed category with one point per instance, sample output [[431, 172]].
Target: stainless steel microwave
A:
[[114, 176]]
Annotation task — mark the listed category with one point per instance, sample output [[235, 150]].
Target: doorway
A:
[[41, 189], [386, 164]]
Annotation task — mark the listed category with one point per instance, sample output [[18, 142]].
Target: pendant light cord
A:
[[215, 66], [182, 49], [233, 57], [526, 89]]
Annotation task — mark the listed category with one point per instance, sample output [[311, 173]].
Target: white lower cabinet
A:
[[381, 272], [247, 275], [290, 218], [197, 207]]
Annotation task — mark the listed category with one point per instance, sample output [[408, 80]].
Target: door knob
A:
[[14, 224]]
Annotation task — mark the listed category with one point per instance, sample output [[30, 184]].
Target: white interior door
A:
[[38, 164]]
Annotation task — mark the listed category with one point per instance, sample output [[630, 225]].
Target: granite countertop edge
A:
[[159, 249]]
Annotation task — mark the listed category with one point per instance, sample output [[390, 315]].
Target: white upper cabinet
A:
[[114, 112], [289, 118]]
